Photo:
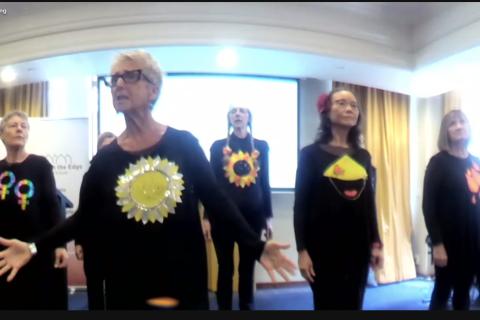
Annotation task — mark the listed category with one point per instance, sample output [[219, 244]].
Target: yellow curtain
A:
[[30, 98], [385, 127], [213, 267]]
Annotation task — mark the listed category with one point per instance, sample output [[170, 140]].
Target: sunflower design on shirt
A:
[[473, 181], [150, 189], [347, 176], [241, 168]]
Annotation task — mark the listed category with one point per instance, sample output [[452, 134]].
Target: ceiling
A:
[[409, 14], [364, 37]]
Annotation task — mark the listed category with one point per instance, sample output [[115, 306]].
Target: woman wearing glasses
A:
[[29, 207], [451, 207], [334, 211], [138, 202], [240, 164]]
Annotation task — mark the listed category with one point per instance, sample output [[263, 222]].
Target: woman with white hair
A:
[[451, 207], [29, 207], [138, 202]]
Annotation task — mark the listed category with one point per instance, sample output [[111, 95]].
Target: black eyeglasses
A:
[[129, 77]]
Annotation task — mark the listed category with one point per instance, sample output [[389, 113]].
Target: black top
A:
[[28, 208], [334, 209], [255, 196], [145, 259], [451, 201], [35, 184]]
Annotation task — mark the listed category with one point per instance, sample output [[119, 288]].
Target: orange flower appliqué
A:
[[473, 181]]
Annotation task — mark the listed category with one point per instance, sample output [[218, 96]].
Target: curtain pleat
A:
[[30, 98]]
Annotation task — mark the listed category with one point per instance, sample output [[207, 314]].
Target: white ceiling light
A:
[[227, 58], [8, 74]]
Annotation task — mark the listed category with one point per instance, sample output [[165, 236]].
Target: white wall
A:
[[75, 96], [309, 120], [425, 118], [70, 97]]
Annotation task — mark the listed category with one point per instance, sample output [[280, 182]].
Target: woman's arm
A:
[[431, 185], [302, 203], [265, 181]]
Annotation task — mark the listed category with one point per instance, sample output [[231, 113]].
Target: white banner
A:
[[64, 142]]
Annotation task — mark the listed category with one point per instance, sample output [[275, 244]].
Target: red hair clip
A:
[[322, 102]]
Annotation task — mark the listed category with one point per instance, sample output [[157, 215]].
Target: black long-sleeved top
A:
[[451, 204], [254, 198], [334, 219], [141, 261], [33, 181]]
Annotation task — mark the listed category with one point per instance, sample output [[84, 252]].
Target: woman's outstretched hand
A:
[[273, 259], [14, 257]]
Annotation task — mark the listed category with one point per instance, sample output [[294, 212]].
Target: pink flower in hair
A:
[[322, 102]]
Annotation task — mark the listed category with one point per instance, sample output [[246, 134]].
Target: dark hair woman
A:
[[334, 211]]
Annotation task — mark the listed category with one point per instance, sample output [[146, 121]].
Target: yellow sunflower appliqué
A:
[[150, 189], [241, 168]]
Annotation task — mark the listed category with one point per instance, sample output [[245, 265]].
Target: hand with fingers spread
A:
[[14, 257], [305, 265], [273, 259]]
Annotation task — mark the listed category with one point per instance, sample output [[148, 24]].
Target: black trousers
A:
[[95, 292], [448, 278], [92, 267], [35, 287], [339, 290], [224, 248]]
